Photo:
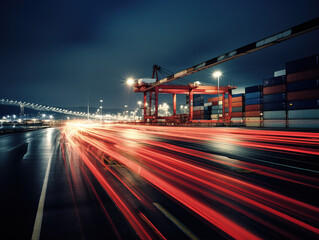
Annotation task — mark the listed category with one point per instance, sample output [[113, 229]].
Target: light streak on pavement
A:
[[237, 183]]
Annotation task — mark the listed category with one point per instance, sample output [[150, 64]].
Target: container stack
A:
[[303, 92], [274, 101], [216, 108], [237, 115], [198, 107], [253, 106], [207, 110]]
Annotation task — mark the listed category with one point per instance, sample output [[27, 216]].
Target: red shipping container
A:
[[226, 100], [236, 114], [255, 107], [214, 103], [274, 89], [300, 95], [252, 114], [237, 99], [226, 105], [305, 75], [197, 112], [237, 104], [215, 99]]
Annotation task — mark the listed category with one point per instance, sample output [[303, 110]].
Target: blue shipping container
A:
[[253, 101], [303, 104], [303, 85], [253, 95], [274, 81], [195, 104], [237, 109], [274, 106], [278, 97], [256, 88], [238, 95], [281, 114], [302, 64], [217, 111]]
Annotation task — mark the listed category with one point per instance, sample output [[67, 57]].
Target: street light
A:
[[101, 107], [217, 75], [129, 81]]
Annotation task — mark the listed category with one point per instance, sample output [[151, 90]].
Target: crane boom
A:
[[252, 47]]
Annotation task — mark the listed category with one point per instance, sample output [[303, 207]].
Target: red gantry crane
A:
[[158, 87]]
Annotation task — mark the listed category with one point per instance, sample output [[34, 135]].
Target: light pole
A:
[[101, 107], [140, 105], [217, 75]]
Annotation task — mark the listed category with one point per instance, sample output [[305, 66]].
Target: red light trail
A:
[[218, 190]]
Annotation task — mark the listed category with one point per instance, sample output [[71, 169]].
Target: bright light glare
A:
[[217, 74], [129, 82]]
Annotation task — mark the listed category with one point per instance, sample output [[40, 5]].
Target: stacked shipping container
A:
[[198, 107], [253, 106], [303, 92], [216, 107], [274, 101], [237, 108]]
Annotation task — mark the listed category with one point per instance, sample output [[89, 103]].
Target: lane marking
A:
[[180, 225], [38, 220]]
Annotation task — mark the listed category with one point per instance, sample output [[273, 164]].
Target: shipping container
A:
[[253, 114], [236, 114], [274, 114], [304, 113], [302, 64], [274, 89], [237, 109], [238, 95], [303, 123], [255, 107], [196, 108], [216, 107], [237, 99], [303, 95], [253, 95], [226, 110], [236, 104], [195, 104], [253, 101], [217, 111], [274, 106], [278, 97], [256, 88], [208, 104], [280, 73], [215, 116], [215, 99], [303, 85], [303, 104], [301, 76], [237, 119], [277, 123], [253, 121], [274, 81]]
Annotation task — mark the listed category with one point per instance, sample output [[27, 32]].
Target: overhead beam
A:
[[249, 48]]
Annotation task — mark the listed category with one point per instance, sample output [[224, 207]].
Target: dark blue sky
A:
[[56, 52]]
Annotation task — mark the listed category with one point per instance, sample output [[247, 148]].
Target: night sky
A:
[[59, 52]]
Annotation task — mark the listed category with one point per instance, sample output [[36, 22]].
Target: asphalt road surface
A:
[[87, 181]]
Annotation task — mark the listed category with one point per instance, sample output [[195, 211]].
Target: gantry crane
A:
[[157, 87]]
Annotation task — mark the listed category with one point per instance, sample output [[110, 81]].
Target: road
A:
[[87, 181]]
